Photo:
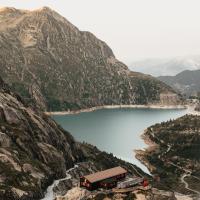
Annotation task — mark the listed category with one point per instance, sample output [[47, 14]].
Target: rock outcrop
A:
[[34, 150], [51, 62]]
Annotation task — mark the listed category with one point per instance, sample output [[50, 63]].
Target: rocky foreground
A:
[[69, 189], [174, 155], [34, 150], [54, 65]]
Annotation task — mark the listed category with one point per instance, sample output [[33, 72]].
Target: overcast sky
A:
[[134, 29]]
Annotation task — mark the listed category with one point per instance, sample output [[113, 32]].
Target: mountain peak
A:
[[45, 9]]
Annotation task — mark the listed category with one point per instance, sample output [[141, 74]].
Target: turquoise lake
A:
[[116, 131]]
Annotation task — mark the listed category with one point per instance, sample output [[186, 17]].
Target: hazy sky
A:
[[134, 29]]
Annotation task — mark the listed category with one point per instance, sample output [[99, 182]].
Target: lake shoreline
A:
[[74, 124], [152, 146], [92, 109], [141, 154]]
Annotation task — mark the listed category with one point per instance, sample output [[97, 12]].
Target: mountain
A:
[[51, 62], [187, 82], [167, 66]]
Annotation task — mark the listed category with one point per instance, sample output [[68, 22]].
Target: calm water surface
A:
[[116, 131]]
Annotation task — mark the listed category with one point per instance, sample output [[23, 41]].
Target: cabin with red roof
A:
[[103, 179]]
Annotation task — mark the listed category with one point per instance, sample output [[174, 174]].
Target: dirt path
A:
[[186, 174], [187, 185]]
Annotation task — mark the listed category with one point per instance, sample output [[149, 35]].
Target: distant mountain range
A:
[[187, 82], [166, 67], [53, 64]]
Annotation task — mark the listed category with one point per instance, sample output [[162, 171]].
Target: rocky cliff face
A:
[[48, 60], [34, 150]]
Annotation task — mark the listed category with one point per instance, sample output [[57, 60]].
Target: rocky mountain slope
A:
[[34, 150], [174, 155], [166, 66], [49, 61], [187, 82]]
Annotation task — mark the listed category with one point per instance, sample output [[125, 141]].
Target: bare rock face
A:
[[50, 61], [34, 150]]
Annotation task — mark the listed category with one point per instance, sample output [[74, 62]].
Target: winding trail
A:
[[187, 185], [49, 193], [187, 172]]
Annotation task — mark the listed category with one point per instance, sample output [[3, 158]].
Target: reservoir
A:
[[116, 131]]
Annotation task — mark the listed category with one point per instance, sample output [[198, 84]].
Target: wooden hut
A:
[[103, 179]]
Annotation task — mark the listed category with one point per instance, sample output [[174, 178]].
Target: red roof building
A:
[[103, 179]]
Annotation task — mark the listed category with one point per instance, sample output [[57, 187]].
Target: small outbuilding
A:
[[103, 179]]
